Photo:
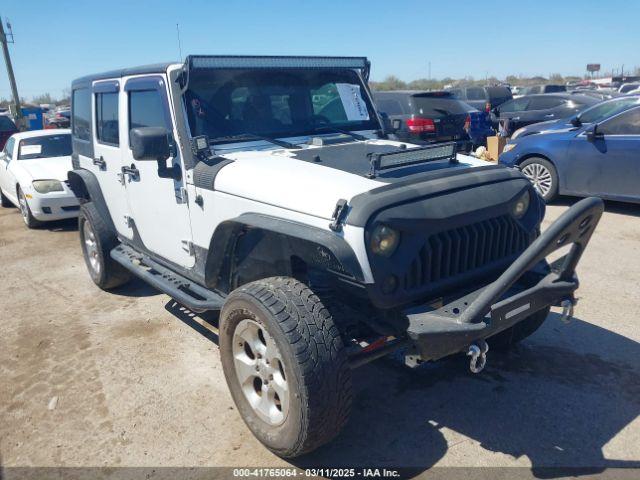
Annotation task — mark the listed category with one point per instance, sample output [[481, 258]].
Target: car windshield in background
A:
[[438, 107], [228, 104], [555, 88], [45, 147], [6, 124], [606, 109]]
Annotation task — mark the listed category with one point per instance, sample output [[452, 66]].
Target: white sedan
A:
[[33, 174]]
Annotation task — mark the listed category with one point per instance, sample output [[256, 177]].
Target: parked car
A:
[[628, 87], [483, 98], [57, 119], [265, 188], [33, 174], [429, 117], [7, 128], [599, 158], [590, 115], [529, 109], [541, 89]]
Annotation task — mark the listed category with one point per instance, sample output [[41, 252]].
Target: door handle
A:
[[100, 162], [132, 171]]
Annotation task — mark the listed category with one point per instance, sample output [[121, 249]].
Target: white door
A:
[[157, 206], [108, 133]]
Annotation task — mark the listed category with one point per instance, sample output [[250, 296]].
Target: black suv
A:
[[428, 117]]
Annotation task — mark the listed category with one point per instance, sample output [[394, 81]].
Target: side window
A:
[[107, 118], [146, 109], [81, 114], [517, 105], [544, 103], [475, 93], [389, 106], [627, 123], [8, 147]]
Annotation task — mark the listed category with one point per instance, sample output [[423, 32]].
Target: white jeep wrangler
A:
[[267, 188]]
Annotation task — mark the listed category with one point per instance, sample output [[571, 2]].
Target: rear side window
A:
[[627, 123], [475, 93], [544, 103], [81, 114], [390, 106], [146, 109], [107, 118]]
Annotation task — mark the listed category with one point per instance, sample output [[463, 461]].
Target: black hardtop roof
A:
[[123, 72]]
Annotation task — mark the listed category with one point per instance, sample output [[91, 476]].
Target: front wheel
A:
[[29, 220], [285, 364], [543, 176]]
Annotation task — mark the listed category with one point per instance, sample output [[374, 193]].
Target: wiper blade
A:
[[330, 128], [252, 136]]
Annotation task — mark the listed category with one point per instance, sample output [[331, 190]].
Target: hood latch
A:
[[338, 215]]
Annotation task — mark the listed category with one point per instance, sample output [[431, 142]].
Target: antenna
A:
[[179, 45]]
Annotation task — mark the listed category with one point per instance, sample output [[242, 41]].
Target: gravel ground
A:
[[90, 378]]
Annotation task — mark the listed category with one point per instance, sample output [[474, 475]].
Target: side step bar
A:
[[193, 296]]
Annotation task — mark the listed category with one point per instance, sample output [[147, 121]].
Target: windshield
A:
[[45, 147], [228, 104], [606, 109]]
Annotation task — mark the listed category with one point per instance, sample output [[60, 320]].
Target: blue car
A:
[[600, 157]]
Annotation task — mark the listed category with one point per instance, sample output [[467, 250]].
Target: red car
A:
[[7, 128]]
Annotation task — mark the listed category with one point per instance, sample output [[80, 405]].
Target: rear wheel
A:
[[521, 330], [543, 176], [29, 220], [97, 241], [285, 365]]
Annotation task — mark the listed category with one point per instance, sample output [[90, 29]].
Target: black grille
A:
[[462, 250]]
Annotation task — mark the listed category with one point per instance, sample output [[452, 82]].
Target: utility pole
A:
[[429, 71], [12, 79]]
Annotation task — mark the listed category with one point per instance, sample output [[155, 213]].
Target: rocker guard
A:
[[508, 300]]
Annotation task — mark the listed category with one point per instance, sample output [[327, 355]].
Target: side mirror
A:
[[150, 143], [593, 134], [575, 121], [495, 111]]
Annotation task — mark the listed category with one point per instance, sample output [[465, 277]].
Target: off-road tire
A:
[[314, 358], [521, 330], [543, 162], [25, 211], [111, 274], [4, 201]]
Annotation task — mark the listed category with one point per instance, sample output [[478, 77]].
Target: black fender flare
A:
[[322, 249], [86, 188]]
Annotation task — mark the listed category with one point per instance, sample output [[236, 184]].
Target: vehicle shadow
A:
[[67, 225], [557, 400], [136, 288], [206, 323], [622, 208]]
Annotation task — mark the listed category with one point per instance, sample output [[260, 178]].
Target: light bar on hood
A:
[[411, 156]]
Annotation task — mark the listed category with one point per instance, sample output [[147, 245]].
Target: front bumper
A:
[[518, 293], [53, 206]]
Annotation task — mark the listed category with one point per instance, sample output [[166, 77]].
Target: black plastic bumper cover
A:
[[503, 303]]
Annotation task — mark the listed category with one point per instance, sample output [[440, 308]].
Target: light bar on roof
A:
[[403, 158], [232, 61]]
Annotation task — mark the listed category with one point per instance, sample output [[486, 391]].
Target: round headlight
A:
[[47, 186], [384, 240], [522, 205]]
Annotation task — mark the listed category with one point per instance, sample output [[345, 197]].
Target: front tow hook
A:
[[478, 353]]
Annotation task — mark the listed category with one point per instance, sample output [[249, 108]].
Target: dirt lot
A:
[[138, 381]]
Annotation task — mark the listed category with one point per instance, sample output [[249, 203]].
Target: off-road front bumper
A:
[[514, 296]]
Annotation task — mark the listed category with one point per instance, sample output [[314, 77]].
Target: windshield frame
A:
[[373, 123]]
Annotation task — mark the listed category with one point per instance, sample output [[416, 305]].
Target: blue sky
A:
[[56, 41]]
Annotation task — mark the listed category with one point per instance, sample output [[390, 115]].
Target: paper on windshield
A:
[[352, 101], [30, 149]]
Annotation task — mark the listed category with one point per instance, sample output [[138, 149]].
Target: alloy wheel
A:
[[91, 247], [24, 207], [260, 371], [540, 177]]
